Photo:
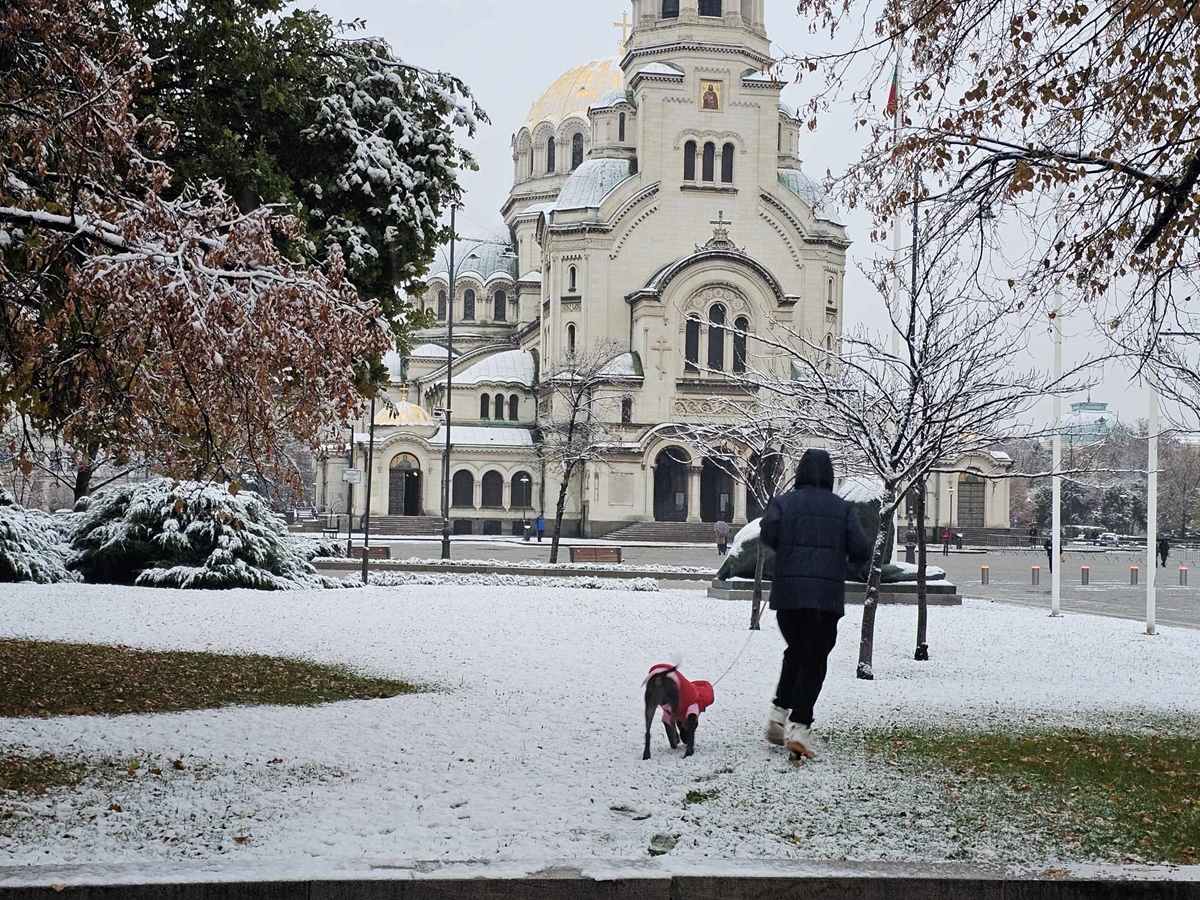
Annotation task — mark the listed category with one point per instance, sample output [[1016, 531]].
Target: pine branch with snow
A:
[[32, 547], [191, 535]]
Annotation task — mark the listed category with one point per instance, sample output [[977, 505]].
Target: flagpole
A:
[[897, 254]]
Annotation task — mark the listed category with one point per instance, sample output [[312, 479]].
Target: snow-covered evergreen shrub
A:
[[312, 546], [32, 548], [164, 533]]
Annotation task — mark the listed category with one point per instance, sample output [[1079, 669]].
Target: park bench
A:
[[595, 554], [373, 553]]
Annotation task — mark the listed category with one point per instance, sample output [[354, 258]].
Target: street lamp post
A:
[[447, 406], [367, 517], [527, 499]]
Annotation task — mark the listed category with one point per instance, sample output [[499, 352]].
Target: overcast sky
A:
[[509, 53]]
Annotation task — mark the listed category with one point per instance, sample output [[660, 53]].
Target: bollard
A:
[[1036, 572], [1085, 575], [1183, 576], [1134, 571], [985, 575]]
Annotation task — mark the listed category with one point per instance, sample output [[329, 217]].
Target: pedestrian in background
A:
[[1164, 549], [721, 529], [946, 541], [541, 528], [1050, 553]]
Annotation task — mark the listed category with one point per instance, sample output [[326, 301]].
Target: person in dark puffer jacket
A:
[[816, 537]]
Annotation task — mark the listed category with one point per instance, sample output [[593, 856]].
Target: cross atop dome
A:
[[720, 239], [625, 25]]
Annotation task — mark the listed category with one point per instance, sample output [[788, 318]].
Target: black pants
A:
[[811, 636]]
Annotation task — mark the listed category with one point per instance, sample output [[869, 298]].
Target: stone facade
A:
[[650, 191]]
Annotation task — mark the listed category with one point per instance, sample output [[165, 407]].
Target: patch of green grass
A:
[[700, 797], [38, 774], [55, 679], [1112, 794]]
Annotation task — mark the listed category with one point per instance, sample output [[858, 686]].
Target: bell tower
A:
[[728, 23]]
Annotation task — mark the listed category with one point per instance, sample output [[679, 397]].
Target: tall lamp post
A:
[[527, 502], [367, 518], [446, 413]]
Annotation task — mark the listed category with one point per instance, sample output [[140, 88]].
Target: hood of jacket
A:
[[815, 470]]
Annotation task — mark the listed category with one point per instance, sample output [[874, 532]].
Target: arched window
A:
[[499, 407], [727, 164], [626, 410], [740, 330], [500, 307], [691, 345], [522, 491], [441, 306], [716, 338], [571, 340], [572, 280], [621, 128], [577, 151], [710, 8], [779, 139], [493, 491], [670, 9], [469, 306], [689, 161], [550, 155], [829, 343], [514, 408], [463, 490], [485, 407], [831, 293], [710, 162]]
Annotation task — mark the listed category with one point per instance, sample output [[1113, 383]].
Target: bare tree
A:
[[951, 392], [1027, 107], [572, 430]]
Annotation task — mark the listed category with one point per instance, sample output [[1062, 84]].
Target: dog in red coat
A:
[[681, 702]]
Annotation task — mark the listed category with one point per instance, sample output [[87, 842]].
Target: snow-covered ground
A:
[[529, 745]]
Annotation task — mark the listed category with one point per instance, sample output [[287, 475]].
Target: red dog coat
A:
[[694, 696]]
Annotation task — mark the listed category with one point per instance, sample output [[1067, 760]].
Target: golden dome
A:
[[405, 414], [575, 91]]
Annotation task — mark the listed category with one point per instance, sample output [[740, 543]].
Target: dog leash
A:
[[736, 659]]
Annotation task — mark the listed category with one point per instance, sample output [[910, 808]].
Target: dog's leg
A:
[[672, 734], [650, 708], [693, 723]]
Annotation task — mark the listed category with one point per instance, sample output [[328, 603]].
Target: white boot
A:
[[775, 726], [800, 741]]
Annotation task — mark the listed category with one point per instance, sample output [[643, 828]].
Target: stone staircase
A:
[[667, 533], [406, 526]]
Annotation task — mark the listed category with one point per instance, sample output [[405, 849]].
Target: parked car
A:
[[1108, 539]]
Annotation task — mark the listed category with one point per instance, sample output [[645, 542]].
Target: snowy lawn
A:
[[531, 749]]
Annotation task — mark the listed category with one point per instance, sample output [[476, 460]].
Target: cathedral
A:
[[659, 208]]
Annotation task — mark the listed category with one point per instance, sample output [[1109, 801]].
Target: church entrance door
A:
[[716, 493], [670, 485], [404, 487], [971, 492]]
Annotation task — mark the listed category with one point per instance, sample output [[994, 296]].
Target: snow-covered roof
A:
[[482, 259], [1000, 456], [532, 278], [591, 183], [757, 75], [789, 111], [802, 186], [510, 367], [483, 436], [627, 365], [395, 365], [429, 351], [614, 98], [660, 68], [532, 212]]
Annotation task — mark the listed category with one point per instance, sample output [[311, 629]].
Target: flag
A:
[[893, 105]]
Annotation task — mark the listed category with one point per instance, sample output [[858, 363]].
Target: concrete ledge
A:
[[941, 593], [571, 885], [354, 567]]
